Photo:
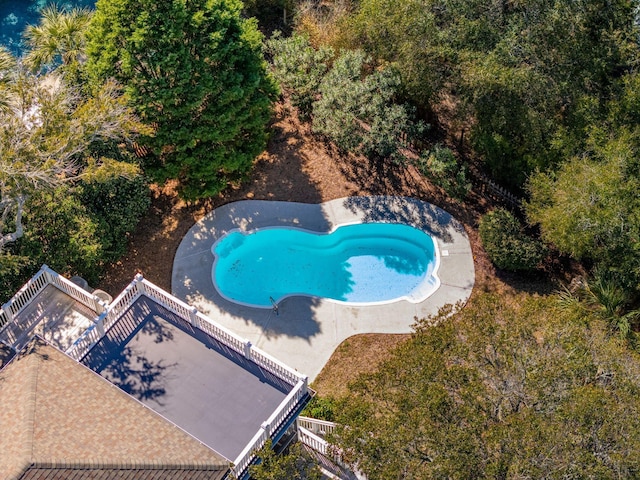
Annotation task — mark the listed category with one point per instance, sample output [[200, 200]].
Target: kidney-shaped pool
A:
[[360, 264]]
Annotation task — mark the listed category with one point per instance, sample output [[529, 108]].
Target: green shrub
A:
[[78, 230], [60, 232], [116, 206], [507, 245], [442, 167], [358, 111], [15, 270], [321, 408], [299, 68]]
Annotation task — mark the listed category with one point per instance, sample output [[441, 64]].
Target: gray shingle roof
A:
[[60, 420]]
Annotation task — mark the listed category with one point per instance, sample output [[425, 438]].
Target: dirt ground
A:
[[296, 167]]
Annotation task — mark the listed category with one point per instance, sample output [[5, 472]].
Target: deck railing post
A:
[[100, 326], [139, 283], [7, 311], [98, 306], [193, 317], [247, 350], [266, 427]]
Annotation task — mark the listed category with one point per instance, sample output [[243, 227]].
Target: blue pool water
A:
[[362, 263], [15, 15]]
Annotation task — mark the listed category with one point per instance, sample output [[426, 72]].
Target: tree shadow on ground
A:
[[374, 177], [194, 265], [410, 211]]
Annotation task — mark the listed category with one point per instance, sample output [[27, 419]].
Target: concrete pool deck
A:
[[307, 330]]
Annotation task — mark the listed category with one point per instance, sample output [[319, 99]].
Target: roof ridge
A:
[[89, 464], [30, 355]]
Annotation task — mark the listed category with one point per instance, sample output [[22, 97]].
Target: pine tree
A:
[[194, 70]]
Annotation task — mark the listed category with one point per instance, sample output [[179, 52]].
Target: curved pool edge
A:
[[306, 332], [415, 296]]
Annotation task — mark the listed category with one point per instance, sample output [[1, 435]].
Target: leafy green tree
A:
[[47, 132], [442, 167], [194, 71], [322, 408], [506, 244], [590, 208], [531, 76], [358, 112], [296, 464], [407, 36], [62, 233], [299, 68], [502, 389]]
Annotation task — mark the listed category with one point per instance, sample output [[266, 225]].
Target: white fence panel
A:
[[319, 427], [247, 455], [309, 438], [23, 297]]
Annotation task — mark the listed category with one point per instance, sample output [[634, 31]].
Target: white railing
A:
[[249, 453], [25, 295], [270, 427], [10, 331], [87, 340], [279, 369], [318, 427], [222, 334], [107, 319], [311, 432], [122, 302], [314, 441], [3, 318], [74, 291]]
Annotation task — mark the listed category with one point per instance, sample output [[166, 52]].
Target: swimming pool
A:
[[359, 264]]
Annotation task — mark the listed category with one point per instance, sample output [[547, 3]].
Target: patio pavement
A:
[[308, 330]]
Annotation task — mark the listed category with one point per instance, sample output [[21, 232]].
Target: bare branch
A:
[[19, 231]]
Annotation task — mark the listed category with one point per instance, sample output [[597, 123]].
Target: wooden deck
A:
[[52, 314]]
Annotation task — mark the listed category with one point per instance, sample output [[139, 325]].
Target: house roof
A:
[[61, 420]]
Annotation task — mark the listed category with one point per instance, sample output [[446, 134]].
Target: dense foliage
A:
[[520, 390], [441, 166], [532, 74], [194, 71], [70, 190], [358, 112], [590, 207], [506, 244], [355, 108], [299, 68], [295, 464]]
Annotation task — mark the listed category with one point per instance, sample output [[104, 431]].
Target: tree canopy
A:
[[46, 137], [529, 75], [70, 191], [525, 389], [194, 71]]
